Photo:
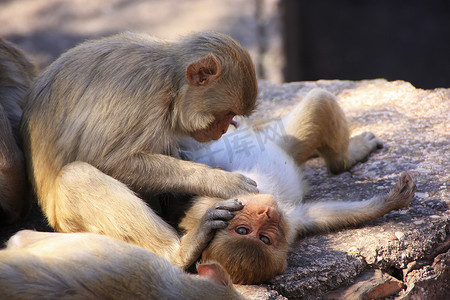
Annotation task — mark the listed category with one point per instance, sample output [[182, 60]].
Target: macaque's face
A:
[[255, 237], [258, 220], [215, 130]]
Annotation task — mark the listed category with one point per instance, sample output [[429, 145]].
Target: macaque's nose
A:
[[265, 212]]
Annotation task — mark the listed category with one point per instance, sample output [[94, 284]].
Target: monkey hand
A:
[[403, 191], [216, 217], [228, 185]]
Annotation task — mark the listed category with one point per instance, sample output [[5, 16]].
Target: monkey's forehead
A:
[[258, 198]]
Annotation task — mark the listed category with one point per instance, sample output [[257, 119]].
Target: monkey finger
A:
[[229, 205], [218, 214], [250, 181], [251, 189], [248, 185], [255, 190], [216, 224]]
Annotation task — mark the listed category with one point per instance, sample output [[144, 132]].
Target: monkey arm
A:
[[334, 214], [202, 232], [112, 209], [87, 200], [162, 173]]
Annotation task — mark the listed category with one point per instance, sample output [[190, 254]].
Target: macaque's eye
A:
[[265, 239], [242, 230]]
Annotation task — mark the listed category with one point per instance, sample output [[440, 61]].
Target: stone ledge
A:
[[411, 245]]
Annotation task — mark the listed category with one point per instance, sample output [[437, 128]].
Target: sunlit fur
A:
[[246, 261], [111, 112], [315, 124], [38, 265]]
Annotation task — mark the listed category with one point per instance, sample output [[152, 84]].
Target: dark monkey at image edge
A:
[[16, 76]]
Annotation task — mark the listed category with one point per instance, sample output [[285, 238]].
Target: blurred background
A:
[[289, 40]]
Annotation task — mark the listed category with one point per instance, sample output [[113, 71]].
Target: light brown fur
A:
[[316, 124], [249, 261], [16, 75], [245, 258], [101, 131], [101, 126], [89, 266]]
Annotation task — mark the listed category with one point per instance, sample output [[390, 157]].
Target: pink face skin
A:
[[259, 220], [216, 129]]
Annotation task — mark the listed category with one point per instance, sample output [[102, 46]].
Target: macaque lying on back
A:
[[43, 265], [260, 233]]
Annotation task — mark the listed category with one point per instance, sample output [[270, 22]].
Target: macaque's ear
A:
[[214, 272], [203, 71]]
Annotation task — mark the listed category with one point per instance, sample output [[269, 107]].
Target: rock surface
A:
[[410, 245]]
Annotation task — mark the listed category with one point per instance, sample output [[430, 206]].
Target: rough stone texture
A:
[[372, 284], [256, 292], [412, 245]]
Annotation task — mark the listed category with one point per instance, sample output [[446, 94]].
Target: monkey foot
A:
[[403, 191]]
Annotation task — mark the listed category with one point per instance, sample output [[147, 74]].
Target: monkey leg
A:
[[318, 123], [334, 214], [87, 200]]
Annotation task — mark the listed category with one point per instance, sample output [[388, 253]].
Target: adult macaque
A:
[[102, 124], [38, 265], [16, 76], [101, 132], [253, 248]]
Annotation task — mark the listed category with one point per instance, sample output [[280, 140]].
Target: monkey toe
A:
[[407, 185], [362, 145], [368, 135], [378, 143], [404, 190], [372, 139]]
